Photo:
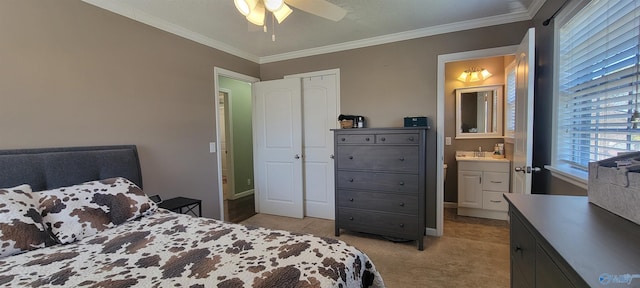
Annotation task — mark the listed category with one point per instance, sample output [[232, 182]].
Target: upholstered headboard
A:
[[49, 168]]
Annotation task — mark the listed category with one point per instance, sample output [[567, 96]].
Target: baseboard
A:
[[431, 232], [450, 205], [242, 194]]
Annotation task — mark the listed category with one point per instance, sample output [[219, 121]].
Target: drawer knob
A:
[[350, 218], [351, 180], [402, 225], [401, 158], [495, 201], [351, 199], [411, 139], [343, 139], [383, 139], [401, 183], [366, 139], [517, 249], [402, 204], [351, 157]]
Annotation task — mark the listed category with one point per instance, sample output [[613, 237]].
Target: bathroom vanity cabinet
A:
[[380, 182], [481, 183]]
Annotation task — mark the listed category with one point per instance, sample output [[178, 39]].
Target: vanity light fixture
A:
[[474, 74]]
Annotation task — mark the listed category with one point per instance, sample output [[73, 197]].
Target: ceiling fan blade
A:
[[320, 8]]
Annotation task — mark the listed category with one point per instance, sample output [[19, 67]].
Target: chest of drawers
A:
[[380, 181]]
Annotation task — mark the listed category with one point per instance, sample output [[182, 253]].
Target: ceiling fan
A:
[[254, 10]]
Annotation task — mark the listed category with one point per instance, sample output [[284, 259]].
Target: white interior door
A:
[[278, 147], [523, 141], [320, 113]]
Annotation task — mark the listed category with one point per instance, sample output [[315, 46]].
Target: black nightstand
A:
[[179, 203]]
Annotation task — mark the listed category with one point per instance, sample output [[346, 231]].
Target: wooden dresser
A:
[[565, 241], [380, 181]]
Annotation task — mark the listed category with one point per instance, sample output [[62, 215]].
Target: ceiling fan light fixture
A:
[[245, 6], [256, 16], [273, 5], [282, 13]]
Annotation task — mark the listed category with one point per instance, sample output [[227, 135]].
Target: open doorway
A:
[[448, 66], [234, 145]]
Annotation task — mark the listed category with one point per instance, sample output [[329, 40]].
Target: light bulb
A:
[[273, 5], [245, 6]]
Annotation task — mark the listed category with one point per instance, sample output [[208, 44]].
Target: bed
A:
[[77, 217]]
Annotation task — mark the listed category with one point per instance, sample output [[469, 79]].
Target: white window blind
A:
[[598, 82], [510, 105]]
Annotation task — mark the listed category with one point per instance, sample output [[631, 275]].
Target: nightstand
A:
[[183, 205]]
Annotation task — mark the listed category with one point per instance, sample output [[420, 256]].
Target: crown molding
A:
[[535, 7], [407, 35], [164, 25], [141, 16]]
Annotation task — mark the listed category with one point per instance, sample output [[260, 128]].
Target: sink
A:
[[479, 156]]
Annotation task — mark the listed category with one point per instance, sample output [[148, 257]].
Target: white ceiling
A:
[[217, 23]]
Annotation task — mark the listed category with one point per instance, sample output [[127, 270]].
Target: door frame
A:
[[217, 72], [442, 60]]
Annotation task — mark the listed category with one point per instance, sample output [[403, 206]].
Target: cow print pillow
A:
[[72, 213], [21, 227]]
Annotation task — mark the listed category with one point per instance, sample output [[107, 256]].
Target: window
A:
[[510, 103], [597, 54]]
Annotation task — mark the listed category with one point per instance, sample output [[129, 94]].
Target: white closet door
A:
[[278, 147], [320, 113]]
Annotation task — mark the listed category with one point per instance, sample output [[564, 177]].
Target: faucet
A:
[[479, 152]]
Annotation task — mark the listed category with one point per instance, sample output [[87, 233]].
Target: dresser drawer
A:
[[523, 252], [384, 158], [548, 274], [355, 139], [409, 139], [494, 201], [495, 181], [391, 182], [388, 224], [394, 203]]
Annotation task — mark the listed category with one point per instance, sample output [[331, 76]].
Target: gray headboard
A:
[[50, 168]]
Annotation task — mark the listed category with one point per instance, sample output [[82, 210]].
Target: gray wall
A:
[[387, 82], [72, 74]]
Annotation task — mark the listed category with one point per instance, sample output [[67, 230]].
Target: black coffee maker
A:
[[358, 121]]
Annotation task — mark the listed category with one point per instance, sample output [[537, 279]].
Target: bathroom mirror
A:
[[479, 112]]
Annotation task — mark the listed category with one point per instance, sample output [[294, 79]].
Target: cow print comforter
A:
[[167, 249]]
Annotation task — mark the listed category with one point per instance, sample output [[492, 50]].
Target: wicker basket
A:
[[614, 188], [344, 124]]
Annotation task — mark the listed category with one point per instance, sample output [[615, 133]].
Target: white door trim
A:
[[442, 60], [217, 72]]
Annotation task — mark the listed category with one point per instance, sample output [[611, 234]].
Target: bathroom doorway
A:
[[234, 107]]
